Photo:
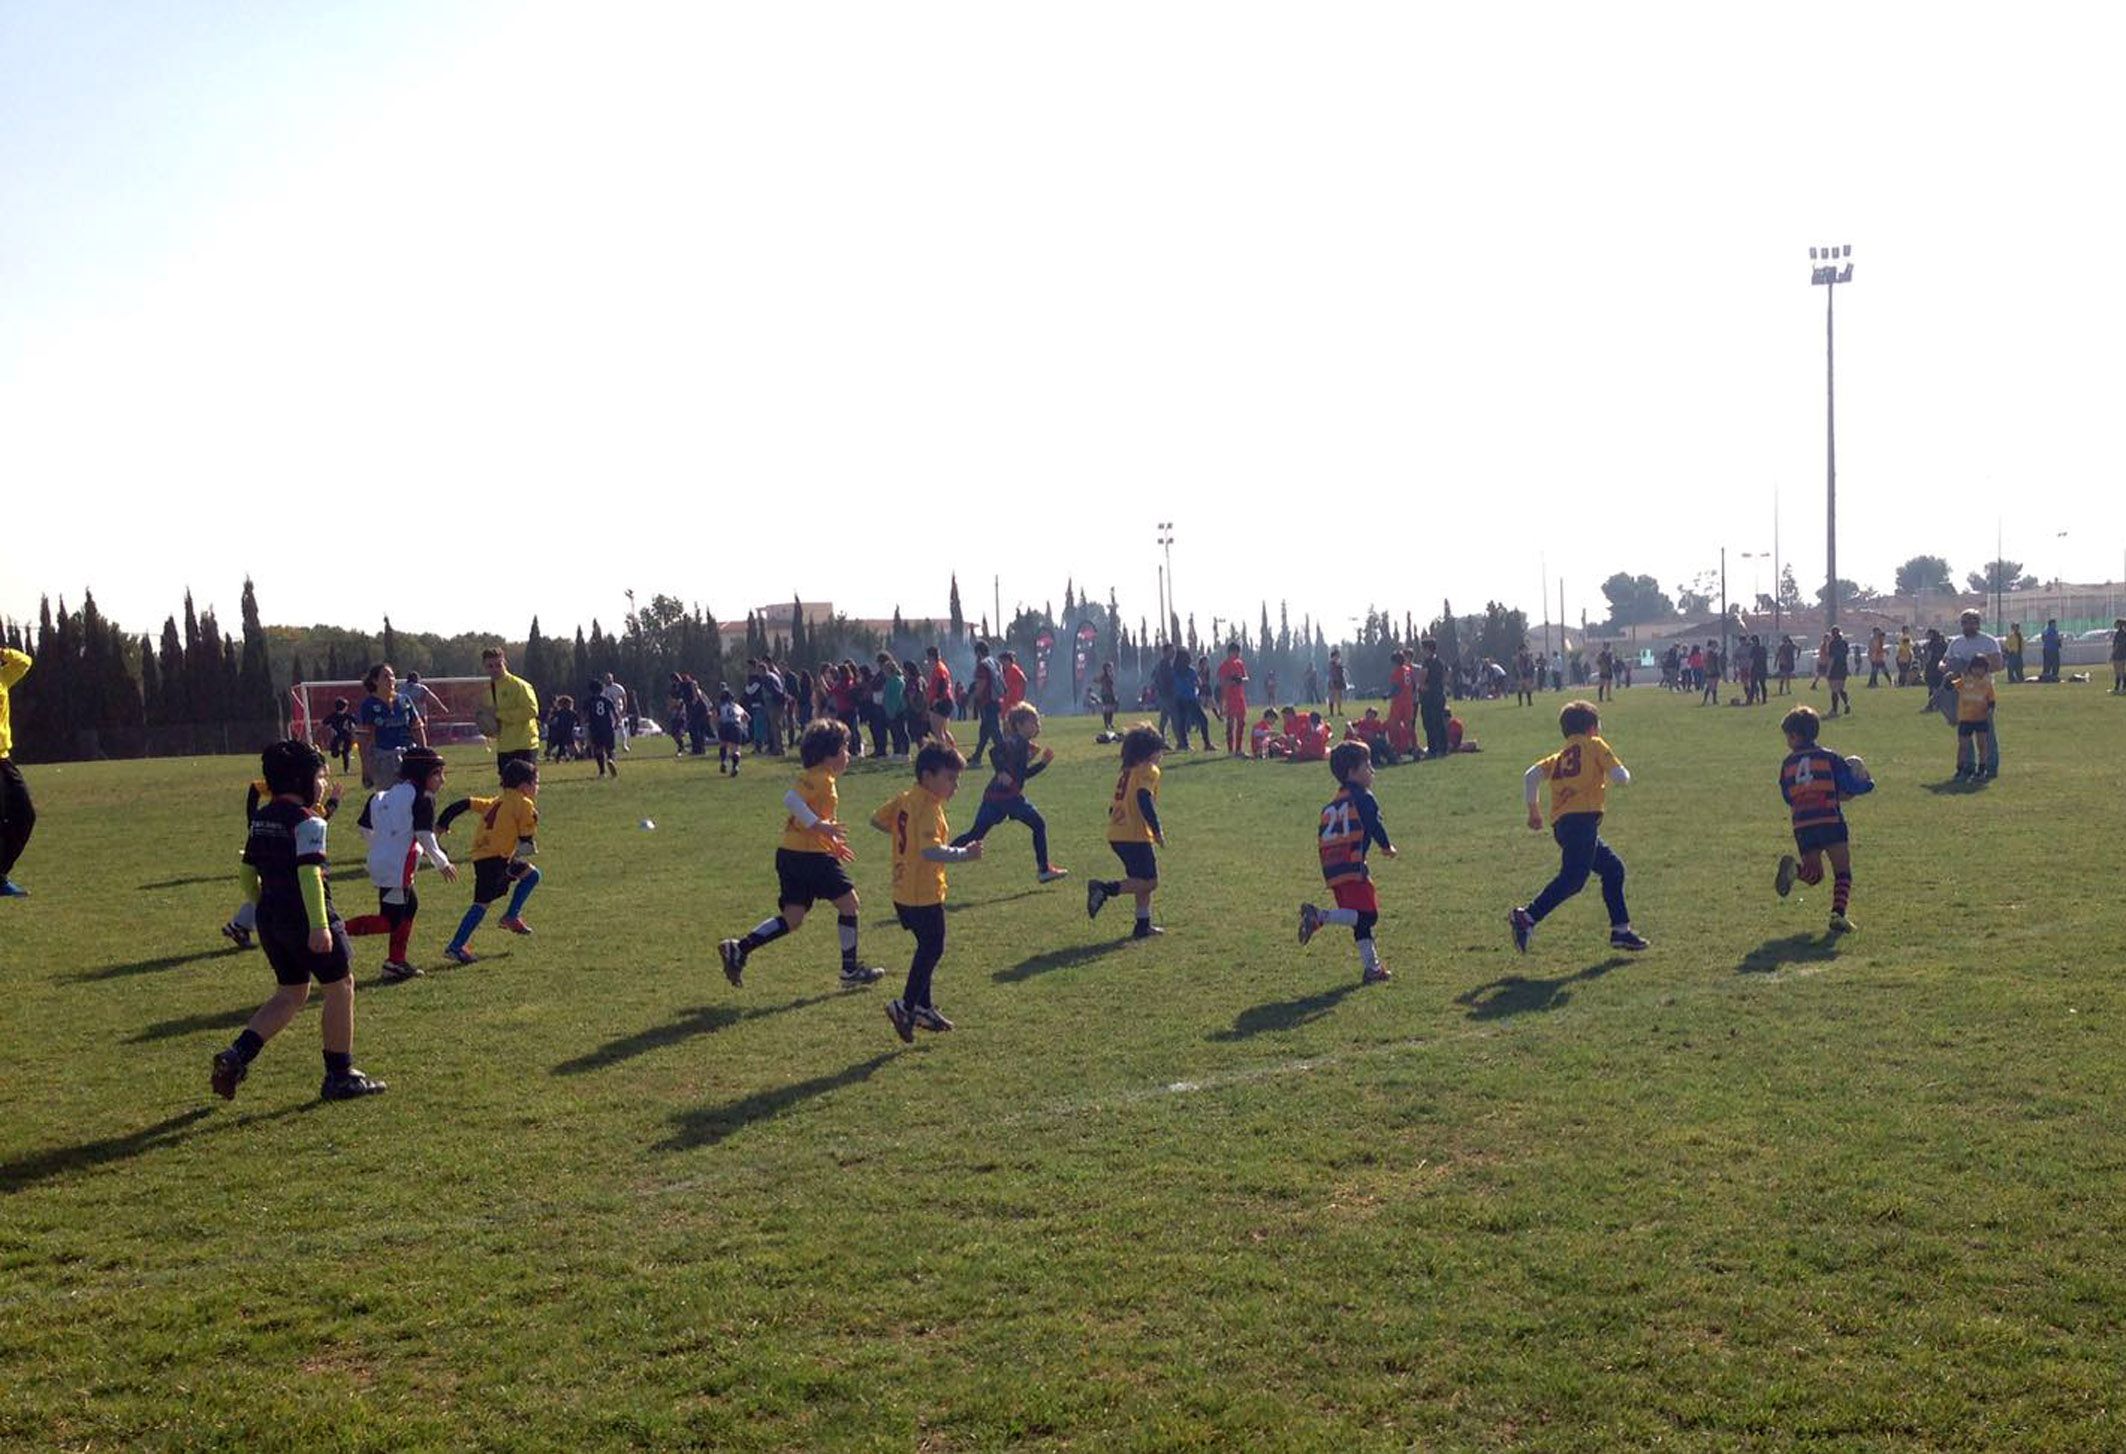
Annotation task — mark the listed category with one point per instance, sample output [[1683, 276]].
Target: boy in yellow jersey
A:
[[507, 825], [244, 922], [809, 859], [1133, 827], [1579, 774], [1974, 718], [922, 846]]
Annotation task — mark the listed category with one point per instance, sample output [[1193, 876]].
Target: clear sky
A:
[[465, 312]]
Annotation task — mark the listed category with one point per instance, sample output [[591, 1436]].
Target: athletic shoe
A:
[[1840, 924], [733, 955], [1783, 881], [856, 976], [1377, 975], [903, 1021], [9, 889], [399, 969], [1051, 873], [1523, 928], [350, 1087], [460, 956], [1095, 896], [1627, 938], [926, 1017], [516, 925], [1309, 923], [229, 1073], [1146, 929], [236, 934]]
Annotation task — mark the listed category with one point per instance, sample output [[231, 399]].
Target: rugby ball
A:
[[1859, 769]]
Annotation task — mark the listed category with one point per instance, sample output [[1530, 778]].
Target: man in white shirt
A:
[[617, 695]]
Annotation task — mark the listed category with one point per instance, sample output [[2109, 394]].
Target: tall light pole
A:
[[1166, 543], [1827, 274]]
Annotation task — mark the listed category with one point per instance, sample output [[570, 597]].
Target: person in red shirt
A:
[[1372, 731], [1014, 682], [1310, 743], [1233, 699], [1402, 705], [939, 689]]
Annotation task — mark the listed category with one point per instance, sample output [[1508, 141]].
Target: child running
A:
[[244, 922], [809, 860], [1133, 829], [302, 935], [1350, 824], [915, 821], [499, 845], [339, 727], [1013, 762], [1579, 774], [400, 825], [1814, 781], [731, 731]]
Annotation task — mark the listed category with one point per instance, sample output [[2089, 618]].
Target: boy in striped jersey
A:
[[1814, 781], [1350, 824]]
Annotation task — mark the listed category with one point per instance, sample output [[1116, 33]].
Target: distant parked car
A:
[[2102, 633]]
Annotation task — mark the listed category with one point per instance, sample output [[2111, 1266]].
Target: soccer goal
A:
[[447, 706]]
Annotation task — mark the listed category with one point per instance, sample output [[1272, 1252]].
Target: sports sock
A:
[[362, 924], [847, 924], [525, 885], [1144, 921], [1368, 956], [401, 937], [1809, 873], [246, 1046], [1346, 917], [1841, 892], [338, 1062], [766, 932], [467, 925]]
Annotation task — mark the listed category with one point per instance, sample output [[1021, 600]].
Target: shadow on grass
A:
[[1773, 954], [1026, 969], [701, 1020], [54, 1161], [194, 1024], [185, 883], [1955, 787], [153, 966], [707, 1125], [382, 981], [1518, 995], [1284, 1015]]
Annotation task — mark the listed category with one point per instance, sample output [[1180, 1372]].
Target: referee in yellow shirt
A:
[[17, 816], [515, 707]]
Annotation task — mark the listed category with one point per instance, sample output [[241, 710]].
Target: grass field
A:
[[1752, 1189]]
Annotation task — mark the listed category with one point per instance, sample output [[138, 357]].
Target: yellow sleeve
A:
[[14, 666], [883, 818]]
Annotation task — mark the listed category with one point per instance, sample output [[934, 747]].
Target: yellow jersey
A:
[[1578, 774], [1974, 698], [516, 709], [1125, 820], [14, 666], [915, 821], [507, 824], [816, 786]]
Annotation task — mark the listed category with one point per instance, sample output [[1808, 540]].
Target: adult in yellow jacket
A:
[[511, 714], [17, 815]]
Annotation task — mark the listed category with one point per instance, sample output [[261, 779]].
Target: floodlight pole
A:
[[1166, 543], [1828, 275]]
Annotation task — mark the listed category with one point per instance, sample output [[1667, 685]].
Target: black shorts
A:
[[732, 733], [602, 741], [926, 922], [941, 706], [491, 877], [396, 913], [1820, 836], [1972, 729], [1138, 860], [288, 951], [807, 877]]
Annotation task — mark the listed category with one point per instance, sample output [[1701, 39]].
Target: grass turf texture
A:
[[1752, 1189]]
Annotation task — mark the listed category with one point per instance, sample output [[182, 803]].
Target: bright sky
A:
[[465, 312]]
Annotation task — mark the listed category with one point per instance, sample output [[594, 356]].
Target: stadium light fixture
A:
[[1827, 274]]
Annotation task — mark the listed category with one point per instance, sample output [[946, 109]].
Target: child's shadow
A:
[[707, 1125], [1518, 995], [1283, 1015], [1768, 957], [1956, 786], [701, 1020], [1056, 959]]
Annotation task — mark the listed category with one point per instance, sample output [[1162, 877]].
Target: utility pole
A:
[[1827, 275]]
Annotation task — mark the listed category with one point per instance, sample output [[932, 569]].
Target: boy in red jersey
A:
[[1310, 743], [1402, 705], [1233, 699], [1814, 781], [1350, 824]]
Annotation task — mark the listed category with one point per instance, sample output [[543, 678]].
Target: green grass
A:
[[1752, 1189]]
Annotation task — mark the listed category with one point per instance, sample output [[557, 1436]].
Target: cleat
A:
[[1627, 938], [397, 970], [236, 934], [1377, 975], [733, 955], [1051, 873], [856, 976], [903, 1021], [460, 956], [926, 1017], [349, 1087], [1840, 924], [1783, 881], [9, 889], [229, 1073], [1146, 930], [1523, 928], [1095, 897], [516, 925], [1309, 923]]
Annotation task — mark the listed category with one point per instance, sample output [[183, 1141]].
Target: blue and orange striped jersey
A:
[[1812, 781], [1350, 824]]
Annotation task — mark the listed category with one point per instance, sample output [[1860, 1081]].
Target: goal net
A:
[[446, 705]]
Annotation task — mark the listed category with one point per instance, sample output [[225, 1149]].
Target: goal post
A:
[[447, 707]]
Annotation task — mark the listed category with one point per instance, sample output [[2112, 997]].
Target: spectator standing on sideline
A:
[[516, 711], [1878, 655], [17, 815], [2050, 644], [983, 691], [1432, 699], [617, 695], [2012, 648]]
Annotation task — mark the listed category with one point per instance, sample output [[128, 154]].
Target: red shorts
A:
[[1357, 894]]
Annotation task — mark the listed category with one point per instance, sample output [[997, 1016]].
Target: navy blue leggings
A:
[[1019, 810], [1580, 840]]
